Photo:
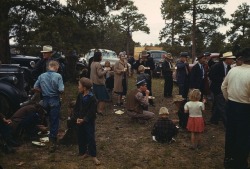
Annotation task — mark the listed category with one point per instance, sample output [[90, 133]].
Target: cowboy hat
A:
[[144, 53], [228, 55], [169, 56], [163, 110], [47, 49]]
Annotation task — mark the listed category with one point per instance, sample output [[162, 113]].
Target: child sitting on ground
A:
[[164, 129], [195, 123]]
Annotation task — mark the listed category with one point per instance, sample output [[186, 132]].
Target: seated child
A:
[[164, 129], [179, 101]]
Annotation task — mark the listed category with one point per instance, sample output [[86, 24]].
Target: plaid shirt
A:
[[164, 130]]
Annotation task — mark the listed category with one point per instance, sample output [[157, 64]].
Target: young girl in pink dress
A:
[[195, 124]]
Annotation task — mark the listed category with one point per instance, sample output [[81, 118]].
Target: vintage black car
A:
[[157, 55], [13, 87], [23, 60]]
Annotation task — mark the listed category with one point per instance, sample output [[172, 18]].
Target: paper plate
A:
[[119, 112], [151, 97], [37, 143], [44, 139]]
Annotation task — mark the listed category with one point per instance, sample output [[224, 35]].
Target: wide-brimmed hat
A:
[[141, 83], [169, 56], [144, 53], [228, 55], [178, 98], [200, 56], [163, 110], [47, 49], [121, 54]]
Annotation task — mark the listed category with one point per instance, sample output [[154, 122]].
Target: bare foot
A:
[[84, 156], [96, 161]]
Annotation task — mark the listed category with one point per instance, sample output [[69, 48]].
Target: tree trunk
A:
[[128, 43], [4, 34], [194, 32], [172, 32]]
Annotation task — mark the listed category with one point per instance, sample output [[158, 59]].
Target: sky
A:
[[151, 9]]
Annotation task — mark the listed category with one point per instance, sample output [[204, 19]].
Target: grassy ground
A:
[[124, 144]]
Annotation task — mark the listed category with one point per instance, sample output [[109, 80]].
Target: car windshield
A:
[[105, 54], [157, 55]]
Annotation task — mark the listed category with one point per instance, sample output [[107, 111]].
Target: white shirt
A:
[[194, 108], [236, 85]]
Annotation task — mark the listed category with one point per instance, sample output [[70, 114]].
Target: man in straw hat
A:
[[164, 129], [236, 90], [167, 71], [137, 103], [216, 75], [42, 65]]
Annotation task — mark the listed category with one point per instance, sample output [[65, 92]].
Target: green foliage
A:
[[192, 20], [239, 33]]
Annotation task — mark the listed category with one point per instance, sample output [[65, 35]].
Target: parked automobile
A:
[[109, 55], [23, 60], [13, 87]]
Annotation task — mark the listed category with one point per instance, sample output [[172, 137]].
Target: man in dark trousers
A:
[[167, 71], [197, 75], [182, 74], [217, 74], [236, 90]]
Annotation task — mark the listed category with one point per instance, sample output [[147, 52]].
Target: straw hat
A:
[[163, 110], [47, 49], [178, 98], [169, 56], [144, 53], [228, 55]]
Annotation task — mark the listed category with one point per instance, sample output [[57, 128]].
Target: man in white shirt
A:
[[236, 90]]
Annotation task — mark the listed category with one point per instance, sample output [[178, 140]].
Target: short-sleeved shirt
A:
[[194, 108]]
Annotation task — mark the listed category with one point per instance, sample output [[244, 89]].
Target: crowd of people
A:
[[229, 88]]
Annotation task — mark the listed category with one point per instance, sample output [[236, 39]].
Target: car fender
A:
[[11, 93]]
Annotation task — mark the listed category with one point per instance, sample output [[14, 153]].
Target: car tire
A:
[[5, 106]]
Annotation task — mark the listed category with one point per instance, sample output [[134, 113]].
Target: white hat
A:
[[47, 49], [228, 55], [163, 110]]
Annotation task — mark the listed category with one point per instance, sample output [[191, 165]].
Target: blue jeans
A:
[[52, 106], [86, 138]]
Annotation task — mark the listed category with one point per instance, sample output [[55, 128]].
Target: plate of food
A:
[[44, 139], [37, 143], [119, 112], [151, 97]]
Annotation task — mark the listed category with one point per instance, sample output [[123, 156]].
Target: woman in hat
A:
[[120, 78], [164, 129]]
